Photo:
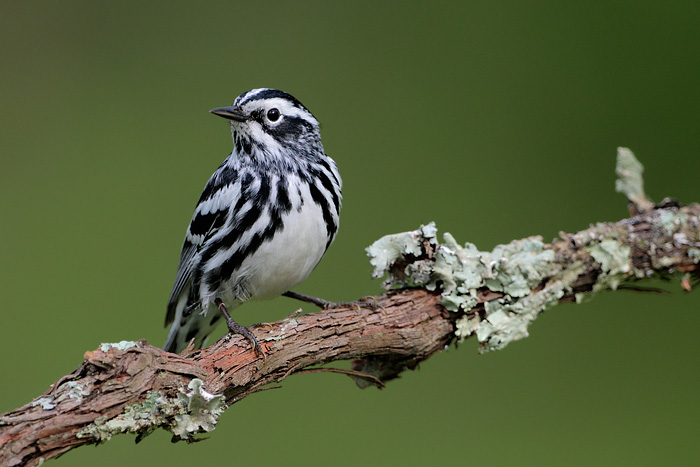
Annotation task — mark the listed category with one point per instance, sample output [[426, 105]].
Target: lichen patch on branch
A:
[[630, 181], [190, 413], [463, 273], [497, 294]]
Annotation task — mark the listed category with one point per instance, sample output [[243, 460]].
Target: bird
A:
[[263, 222]]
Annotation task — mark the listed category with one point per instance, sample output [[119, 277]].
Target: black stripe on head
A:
[[290, 129], [268, 94]]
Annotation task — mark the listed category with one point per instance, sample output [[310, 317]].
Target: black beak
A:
[[231, 113]]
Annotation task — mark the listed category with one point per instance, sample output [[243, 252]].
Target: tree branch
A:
[[438, 293], [135, 387]]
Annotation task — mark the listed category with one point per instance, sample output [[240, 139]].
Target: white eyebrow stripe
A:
[[248, 95]]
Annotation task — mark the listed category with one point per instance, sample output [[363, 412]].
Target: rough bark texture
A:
[[94, 402], [411, 327]]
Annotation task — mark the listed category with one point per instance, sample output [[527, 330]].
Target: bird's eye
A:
[[273, 115]]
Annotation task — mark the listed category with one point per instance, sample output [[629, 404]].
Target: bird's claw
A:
[[261, 325], [364, 302], [372, 303], [235, 328]]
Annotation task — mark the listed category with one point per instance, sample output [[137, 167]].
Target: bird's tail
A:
[[188, 326]]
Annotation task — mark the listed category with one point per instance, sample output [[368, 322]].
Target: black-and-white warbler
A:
[[264, 220]]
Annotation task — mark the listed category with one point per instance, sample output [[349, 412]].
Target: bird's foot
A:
[[235, 328], [364, 302]]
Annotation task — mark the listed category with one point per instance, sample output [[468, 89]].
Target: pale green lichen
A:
[[630, 181], [190, 413], [141, 417], [289, 323], [694, 254], [386, 251], [203, 410], [519, 266], [672, 221], [517, 281], [73, 391], [459, 272], [507, 319], [122, 345], [615, 263], [46, 403], [77, 390], [466, 326], [514, 269]]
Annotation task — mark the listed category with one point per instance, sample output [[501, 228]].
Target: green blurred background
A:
[[496, 120]]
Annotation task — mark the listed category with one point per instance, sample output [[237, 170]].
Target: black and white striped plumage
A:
[[264, 220]]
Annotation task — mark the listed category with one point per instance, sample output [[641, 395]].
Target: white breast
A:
[[291, 255], [280, 263]]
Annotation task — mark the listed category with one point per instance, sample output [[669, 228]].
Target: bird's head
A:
[[268, 119]]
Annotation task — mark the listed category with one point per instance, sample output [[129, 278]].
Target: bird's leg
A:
[[364, 302], [235, 328]]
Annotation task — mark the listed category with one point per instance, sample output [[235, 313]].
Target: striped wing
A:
[[208, 218]]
